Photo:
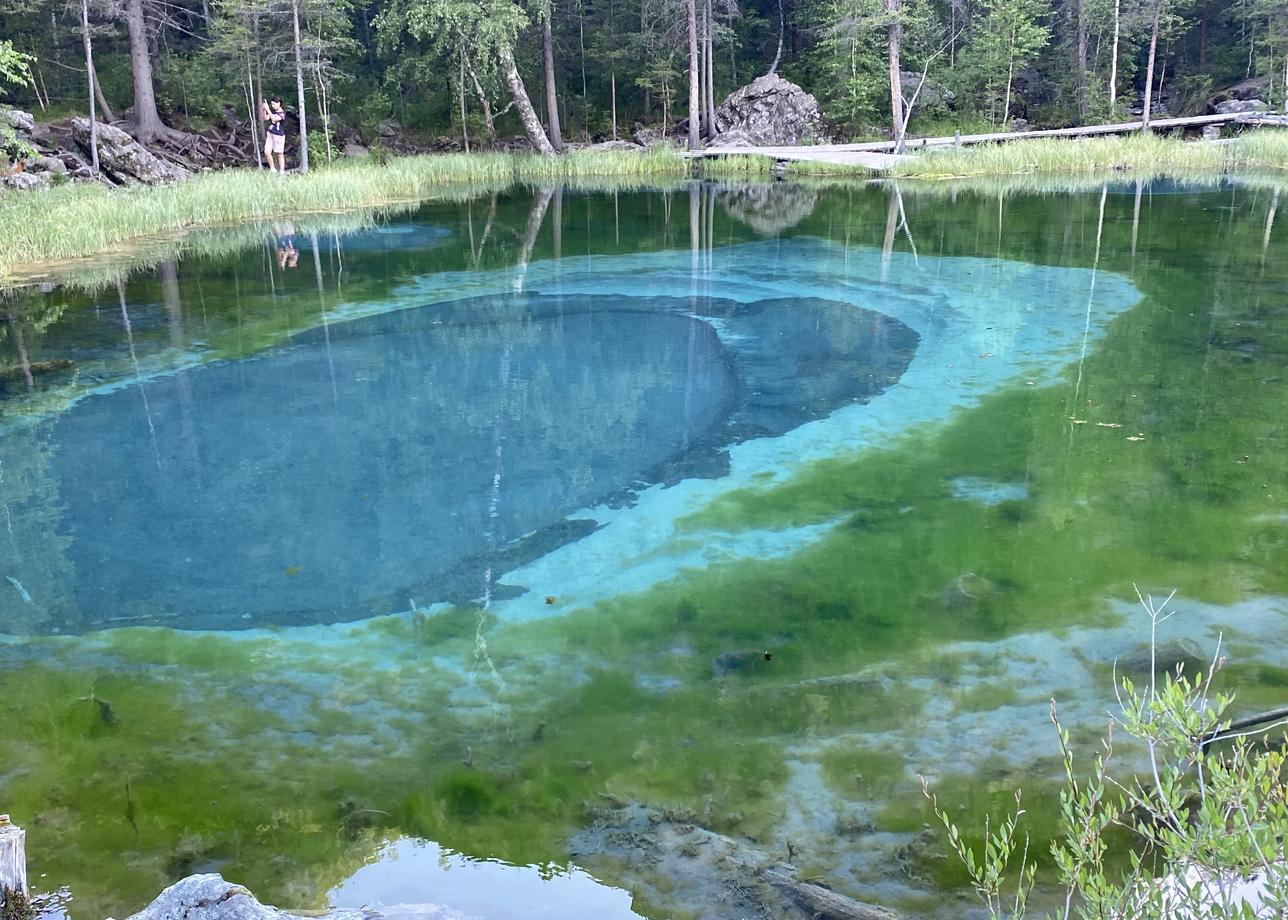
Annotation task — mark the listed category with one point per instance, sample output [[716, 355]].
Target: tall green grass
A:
[[73, 221], [1148, 153]]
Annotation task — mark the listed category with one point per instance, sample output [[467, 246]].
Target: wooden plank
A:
[[825, 152]]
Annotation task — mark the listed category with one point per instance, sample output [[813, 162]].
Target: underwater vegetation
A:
[[956, 575]]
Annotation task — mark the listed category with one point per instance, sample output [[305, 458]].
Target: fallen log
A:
[[820, 902], [1240, 726]]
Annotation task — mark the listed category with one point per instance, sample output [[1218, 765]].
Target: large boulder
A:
[[772, 112], [18, 120], [125, 160], [1238, 106]]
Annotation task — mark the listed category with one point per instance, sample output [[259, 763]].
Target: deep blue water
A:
[[415, 456]]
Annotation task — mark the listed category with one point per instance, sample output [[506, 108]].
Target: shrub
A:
[[1208, 809]]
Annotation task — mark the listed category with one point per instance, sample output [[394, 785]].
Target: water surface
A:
[[627, 535]]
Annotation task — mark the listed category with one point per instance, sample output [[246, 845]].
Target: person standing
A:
[[274, 117]]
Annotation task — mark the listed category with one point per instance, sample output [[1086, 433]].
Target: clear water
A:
[[555, 527]]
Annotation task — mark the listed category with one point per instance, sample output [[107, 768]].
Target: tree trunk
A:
[[1010, 76], [552, 96], [612, 69], [1113, 60], [782, 27], [894, 32], [460, 89], [146, 121], [252, 112], [299, 87], [704, 127], [612, 88], [1080, 65], [1149, 69], [478, 91], [711, 71], [527, 114], [695, 102], [104, 109], [93, 87]]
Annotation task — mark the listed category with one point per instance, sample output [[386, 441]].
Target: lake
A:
[[581, 551]]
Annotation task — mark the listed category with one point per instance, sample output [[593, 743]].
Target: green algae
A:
[[280, 757]]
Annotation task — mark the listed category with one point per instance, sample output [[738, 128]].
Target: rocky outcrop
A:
[[20, 121], [123, 159], [772, 112], [209, 897], [1238, 106]]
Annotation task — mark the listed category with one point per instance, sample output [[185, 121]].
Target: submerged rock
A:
[[771, 112], [965, 591], [741, 661], [1167, 658]]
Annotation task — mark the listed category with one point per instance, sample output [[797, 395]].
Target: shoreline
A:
[[48, 230]]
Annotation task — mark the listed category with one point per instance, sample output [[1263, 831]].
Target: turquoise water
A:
[[555, 527]]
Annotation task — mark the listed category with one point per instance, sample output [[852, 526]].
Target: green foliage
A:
[[15, 67], [1207, 809], [1010, 35]]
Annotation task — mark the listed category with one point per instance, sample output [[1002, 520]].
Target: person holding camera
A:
[[274, 117]]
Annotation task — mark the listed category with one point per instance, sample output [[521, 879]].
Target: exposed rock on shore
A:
[[210, 897], [771, 112], [124, 159]]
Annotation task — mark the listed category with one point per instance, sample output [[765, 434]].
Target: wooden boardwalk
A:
[[878, 156]]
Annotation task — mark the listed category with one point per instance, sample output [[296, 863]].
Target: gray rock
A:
[[1251, 88], [966, 591], [733, 138], [650, 136], [27, 182], [1167, 658], [124, 159], [355, 150], [1236, 106], [18, 120], [389, 128], [616, 145], [48, 165], [772, 112]]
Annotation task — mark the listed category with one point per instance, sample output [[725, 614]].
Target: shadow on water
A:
[[730, 507]]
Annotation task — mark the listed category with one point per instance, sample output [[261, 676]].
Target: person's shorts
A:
[[275, 143]]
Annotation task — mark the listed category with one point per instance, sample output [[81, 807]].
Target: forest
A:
[[415, 75]]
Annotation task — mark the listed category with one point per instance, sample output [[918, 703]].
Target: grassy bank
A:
[[77, 220], [1138, 153], [74, 221]]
